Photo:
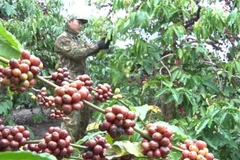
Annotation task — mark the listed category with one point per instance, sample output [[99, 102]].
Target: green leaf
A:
[[23, 155], [142, 19], [212, 141], [174, 155], [147, 66], [160, 92], [9, 45], [5, 106], [201, 126], [142, 111], [175, 95], [211, 85], [175, 74], [232, 17], [156, 2], [169, 84], [236, 100], [191, 99], [89, 136], [180, 53], [121, 148], [179, 31], [237, 64]]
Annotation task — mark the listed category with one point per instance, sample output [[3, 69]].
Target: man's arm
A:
[[74, 52]]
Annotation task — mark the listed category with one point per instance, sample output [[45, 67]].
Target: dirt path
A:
[[37, 120]]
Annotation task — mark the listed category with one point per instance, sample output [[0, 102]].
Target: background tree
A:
[[36, 25], [182, 57]]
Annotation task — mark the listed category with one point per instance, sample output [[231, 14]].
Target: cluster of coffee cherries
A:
[[44, 100], [195, 150], [159, 144], [56, 142], [56, 114], [102, 92], [87, 81], [118, 121], [96, 147], [60, 76], [12, 137], [20, 74], [69, 97]]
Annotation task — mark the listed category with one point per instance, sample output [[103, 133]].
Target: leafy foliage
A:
[[166, 61], [26, 156], [9, 46], [35, 25]]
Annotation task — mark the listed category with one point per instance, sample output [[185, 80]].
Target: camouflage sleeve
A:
[[73, 51]]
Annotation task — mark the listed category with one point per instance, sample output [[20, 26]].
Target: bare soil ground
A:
[[36, 119]]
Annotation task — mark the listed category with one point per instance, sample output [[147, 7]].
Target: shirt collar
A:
[[69, 31]]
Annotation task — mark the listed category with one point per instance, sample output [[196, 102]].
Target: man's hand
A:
[[102, 44]]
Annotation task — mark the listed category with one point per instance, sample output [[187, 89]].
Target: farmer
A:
[[72, 54]]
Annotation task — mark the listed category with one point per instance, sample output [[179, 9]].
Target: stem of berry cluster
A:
[[176, 148], [46, 81], [93, 106], [71, 144], [4, 60], [74, 158], [143, 134], [35, 90], [33, 141], [78, 146]]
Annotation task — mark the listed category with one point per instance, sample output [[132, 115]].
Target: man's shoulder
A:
[[63, 35], [61, 39]]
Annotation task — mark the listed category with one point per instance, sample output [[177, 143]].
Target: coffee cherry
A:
[[116, 122], [62, 75], [87, 82], [160, 144], [20, 73], [12, 137], [55, 142], [13, 63], [25, 55], [44, 100], [102, 92], [67, 98], [195, 149], [96, 147], [56, 114]]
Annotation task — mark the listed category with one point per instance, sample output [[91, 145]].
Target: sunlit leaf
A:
[[120, 148], [93, 126], [142, 111], [89, 136], [155, 109], [24, 155], [9, 45]]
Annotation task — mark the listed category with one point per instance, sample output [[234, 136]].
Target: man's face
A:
[[75, 25]]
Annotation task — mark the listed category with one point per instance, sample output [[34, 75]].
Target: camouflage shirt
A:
[[72, 52]]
